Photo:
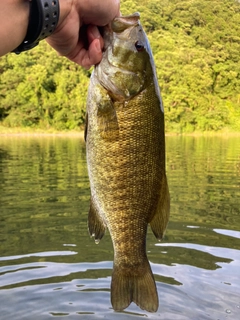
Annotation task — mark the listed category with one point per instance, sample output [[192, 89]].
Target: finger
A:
[[94, 54], [94, 33], [90, 57]]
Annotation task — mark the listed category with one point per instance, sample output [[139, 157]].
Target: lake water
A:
[[51, 269]]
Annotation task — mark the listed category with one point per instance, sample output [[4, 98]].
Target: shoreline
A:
[[22, 132]]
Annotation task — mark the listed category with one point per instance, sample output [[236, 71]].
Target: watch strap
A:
[[43, 19]]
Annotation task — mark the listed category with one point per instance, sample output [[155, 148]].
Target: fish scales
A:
[[126, 161]]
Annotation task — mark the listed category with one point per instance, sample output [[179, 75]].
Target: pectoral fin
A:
[[160, 219], [107, 118], [96, 224]]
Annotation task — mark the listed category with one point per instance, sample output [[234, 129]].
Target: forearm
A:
[[14, 16]]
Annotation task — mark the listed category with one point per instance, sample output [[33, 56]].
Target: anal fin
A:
[[96, 224], [160, 219]]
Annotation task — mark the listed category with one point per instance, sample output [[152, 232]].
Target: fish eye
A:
[[139, 46]]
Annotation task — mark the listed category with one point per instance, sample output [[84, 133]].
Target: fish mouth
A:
[[119, 24], [111, 70]]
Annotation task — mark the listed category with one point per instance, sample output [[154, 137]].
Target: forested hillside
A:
[[196, 46]]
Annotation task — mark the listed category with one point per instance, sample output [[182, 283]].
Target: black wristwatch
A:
[[43, 20]]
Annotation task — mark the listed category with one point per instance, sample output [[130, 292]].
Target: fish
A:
[[125, 150]]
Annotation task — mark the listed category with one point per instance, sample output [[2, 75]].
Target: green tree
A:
[[196, 47]]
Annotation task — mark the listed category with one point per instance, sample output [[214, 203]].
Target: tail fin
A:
[[139, 287]]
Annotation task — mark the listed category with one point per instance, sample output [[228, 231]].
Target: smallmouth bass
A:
[[125, 144]]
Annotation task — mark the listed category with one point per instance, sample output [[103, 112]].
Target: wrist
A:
[[24, 10], [14, 15]]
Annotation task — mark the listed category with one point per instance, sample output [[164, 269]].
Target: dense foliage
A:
[[196, 46]]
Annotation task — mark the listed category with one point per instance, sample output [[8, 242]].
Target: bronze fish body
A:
[[125, 145]]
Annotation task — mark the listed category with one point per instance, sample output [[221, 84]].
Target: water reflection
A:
[[49, 267]]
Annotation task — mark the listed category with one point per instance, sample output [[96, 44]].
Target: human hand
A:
[[77, 36]]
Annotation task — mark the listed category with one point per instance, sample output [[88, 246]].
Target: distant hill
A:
[[196, 46]]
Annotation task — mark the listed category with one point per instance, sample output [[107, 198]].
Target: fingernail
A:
[[95, 32], [98, 46]]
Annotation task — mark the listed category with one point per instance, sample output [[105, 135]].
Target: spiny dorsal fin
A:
[[86, 127]]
